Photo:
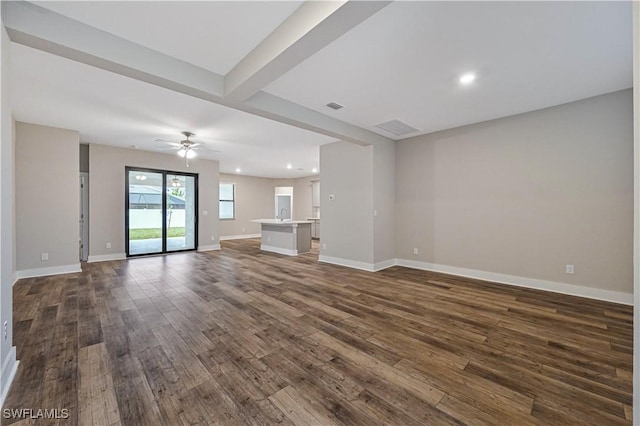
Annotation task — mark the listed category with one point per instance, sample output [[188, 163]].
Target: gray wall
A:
[[636, 211], [106, 195], [384, 202], [47, 196], [347, 221], [254, 200], [7, 219], [302, 197], [525, 195]]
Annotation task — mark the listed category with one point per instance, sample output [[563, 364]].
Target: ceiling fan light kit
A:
[[187, 151]]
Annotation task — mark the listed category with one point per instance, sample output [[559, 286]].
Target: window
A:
[[227, 201]]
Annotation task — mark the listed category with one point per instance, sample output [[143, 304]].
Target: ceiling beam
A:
[[314, 25], [51, 32], [42, 29]]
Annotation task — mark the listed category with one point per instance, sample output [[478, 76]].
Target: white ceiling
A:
[[214, 35], [403, 62]]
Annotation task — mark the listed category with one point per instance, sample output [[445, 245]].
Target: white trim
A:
[[9, 369], [369, 267], [552, 286], [239, 237], [279, 250], [106, 257], [209, 248], [379, 266], [53, 270]]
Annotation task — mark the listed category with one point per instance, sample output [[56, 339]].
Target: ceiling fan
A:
[[186, 147]]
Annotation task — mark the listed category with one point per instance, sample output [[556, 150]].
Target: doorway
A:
[[161, 211], [284, 202]]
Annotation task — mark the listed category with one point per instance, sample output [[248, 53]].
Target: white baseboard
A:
[[53, 270], [364, 266], [279, 250], [552, 286], [106, 257], [8, 373], [239, 237], [379, 266], [209, 248]]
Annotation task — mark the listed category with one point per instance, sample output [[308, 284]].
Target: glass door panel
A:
[[145, 206], [181, 212]]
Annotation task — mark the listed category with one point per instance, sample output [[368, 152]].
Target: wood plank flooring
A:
[[244, 337]]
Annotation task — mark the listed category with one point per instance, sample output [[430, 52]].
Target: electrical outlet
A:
[[375, 213], [108, 245], [324, 246], [415, 250], [569, 269], [213, 238], [243, 229], [332, 197], [44, 257], [205, 212], [269, 239]]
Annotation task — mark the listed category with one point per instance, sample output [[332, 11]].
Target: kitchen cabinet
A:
[[315, 227]]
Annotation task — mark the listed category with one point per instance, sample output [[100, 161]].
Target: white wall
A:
[[384, 204], [525, 195], [8, 364], [255, 199], [106, 196], [347, 221], [47, 199]]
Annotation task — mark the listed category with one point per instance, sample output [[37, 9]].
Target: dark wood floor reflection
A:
[[244, 337]]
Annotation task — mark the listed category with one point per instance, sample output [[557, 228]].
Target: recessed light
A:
[[238, 170], [467, 78], [314, 170], [289, 166]]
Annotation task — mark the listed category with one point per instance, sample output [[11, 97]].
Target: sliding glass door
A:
[[161, 211], [181, 212]]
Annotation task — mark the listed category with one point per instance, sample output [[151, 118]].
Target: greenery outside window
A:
[[227, 201]]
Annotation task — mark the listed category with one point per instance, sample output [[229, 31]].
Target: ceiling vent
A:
[[397, 127], [334, 105]]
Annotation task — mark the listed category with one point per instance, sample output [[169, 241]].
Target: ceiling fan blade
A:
[[207, 150]]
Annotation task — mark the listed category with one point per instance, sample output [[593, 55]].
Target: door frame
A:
[[164, 174], [84, 216]]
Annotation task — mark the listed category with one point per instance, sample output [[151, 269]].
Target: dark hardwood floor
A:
[[245, 337]]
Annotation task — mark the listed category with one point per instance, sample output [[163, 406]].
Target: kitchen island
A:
[[290, 237]]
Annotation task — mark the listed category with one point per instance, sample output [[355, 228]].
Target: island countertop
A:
[[290, 237], [280, 222]]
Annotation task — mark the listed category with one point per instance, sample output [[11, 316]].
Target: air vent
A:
[[397, 127], [334, 105]]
